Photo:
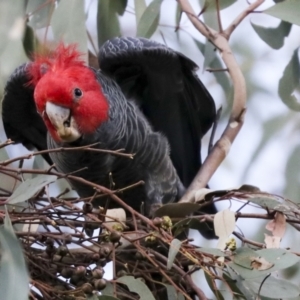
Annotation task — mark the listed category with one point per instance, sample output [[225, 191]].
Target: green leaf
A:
[[136, 286], [274, 37], [149, 20], [288, 10], [41, 11], [29, 188], [174, 248], [211, 4], [215, 63], [11, 22], [68, 24], [140, 7], [280, 258], [274, 287], [30, 42], [103, 297], [174, 210], [172, 294], [109, 290], [14, 278], [3, 154], [107, 21], [213, 286], [289, 82], [264, 201], [120, 6], [237, 283], [292, 176], [232, 284], [12, 27]]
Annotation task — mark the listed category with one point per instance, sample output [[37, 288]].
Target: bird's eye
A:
[[77, 93]]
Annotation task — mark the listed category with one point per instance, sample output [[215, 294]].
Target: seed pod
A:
[[80, 271], [157, 221], [87, 207], [87, 288], [115, 236], [100, 284], [98, 273], [62, 250]]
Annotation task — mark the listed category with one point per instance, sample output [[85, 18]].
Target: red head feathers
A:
[[62, 80]]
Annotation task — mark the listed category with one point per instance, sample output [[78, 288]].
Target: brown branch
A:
[[67, 149], [222, 147], [241, 17]]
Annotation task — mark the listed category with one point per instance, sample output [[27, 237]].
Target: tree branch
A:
[[236, 119]]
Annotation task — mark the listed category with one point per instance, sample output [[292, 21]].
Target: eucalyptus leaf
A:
[[109, 289], [280, 258], [68, 24], [172, 293], [288, 10], [108, 25], [213, 286], [104, 297], [292, 175], [29, 188], [14, 278], [173, 250], [41, 12], [264, 201], [221, 77], [290, 81], [136, 286], [273, 287], [149, 20], [274, 37], [140, 6], [211, 4], [30, 42]]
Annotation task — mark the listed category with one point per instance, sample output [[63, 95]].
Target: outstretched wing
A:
[[164, 84], [22, 123]]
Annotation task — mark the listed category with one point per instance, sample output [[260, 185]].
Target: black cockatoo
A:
[[146, 99]]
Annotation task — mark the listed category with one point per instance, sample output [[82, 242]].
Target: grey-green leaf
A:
[[280, 258], [29, 188], [41, 11], [68, 24], [140, 6], [274, 37], [149, 20], [289, 82], [108, 25], [274, 288], [136, 286], [174, 248], [14, 278], [288, 10]]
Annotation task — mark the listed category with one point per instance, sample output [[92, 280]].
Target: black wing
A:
[[164, 84], [22, 123]]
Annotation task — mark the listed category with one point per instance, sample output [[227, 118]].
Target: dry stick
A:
[[66, 149], [221, 148]]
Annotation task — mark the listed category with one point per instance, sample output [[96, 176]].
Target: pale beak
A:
[[62, 120]]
